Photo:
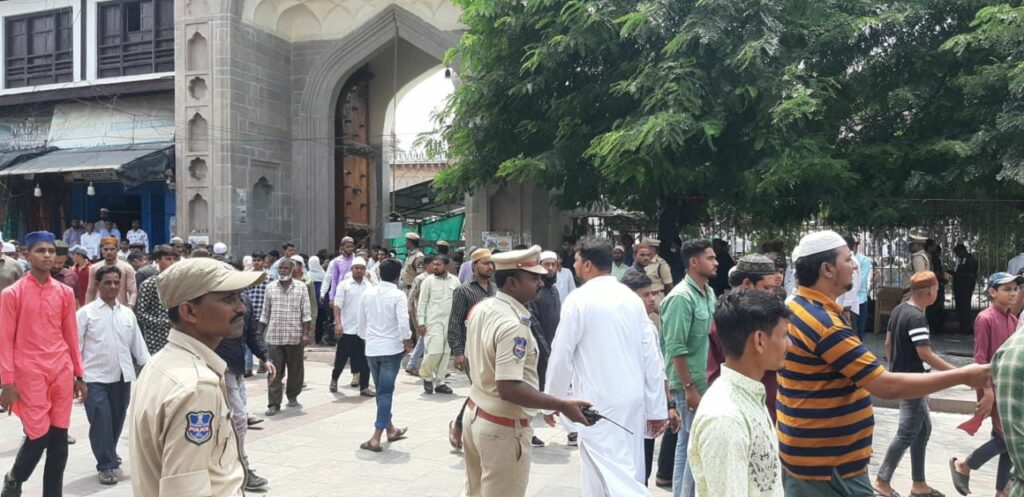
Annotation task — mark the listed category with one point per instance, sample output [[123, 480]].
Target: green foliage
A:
[[769, 109]]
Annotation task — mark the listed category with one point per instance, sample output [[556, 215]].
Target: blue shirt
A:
[[864, 262]]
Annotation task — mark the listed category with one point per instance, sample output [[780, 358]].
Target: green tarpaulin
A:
[[449, 228]]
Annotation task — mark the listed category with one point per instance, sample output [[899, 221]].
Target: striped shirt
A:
[[464, 298], [110, 342], [825, 419]]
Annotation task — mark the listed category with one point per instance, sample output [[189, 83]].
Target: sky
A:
[[417, 106]]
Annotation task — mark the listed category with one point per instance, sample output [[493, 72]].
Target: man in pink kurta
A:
[[40, 365]]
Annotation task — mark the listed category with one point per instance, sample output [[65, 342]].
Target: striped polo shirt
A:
[[825, 419]]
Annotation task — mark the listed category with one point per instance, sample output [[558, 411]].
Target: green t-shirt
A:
[[686, 315]]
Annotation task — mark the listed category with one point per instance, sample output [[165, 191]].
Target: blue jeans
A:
[[417, 355], [862, 322], [384, 369], [914, 430], [682, 477], [106, 406]]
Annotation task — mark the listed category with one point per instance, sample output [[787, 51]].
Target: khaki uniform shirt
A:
[[413, 267], [919, 261], [182, 441], [659, 272], [499, 346]]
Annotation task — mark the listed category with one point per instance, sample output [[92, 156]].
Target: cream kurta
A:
[[433, 310], [603, 349]]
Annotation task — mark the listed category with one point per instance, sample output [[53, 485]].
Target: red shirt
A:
[[38, 329], [82, 283], [992, 327]]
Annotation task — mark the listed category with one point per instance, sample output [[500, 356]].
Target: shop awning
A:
[[130, 164], [12, 157]]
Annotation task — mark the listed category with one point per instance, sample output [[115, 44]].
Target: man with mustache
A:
[[182, 441]]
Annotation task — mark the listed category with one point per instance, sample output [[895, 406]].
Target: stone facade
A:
[[255, 108]]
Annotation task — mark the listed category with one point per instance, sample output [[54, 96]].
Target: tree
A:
[[775, 110]]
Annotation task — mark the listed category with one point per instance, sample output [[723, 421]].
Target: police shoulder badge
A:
[[519, 350], [197, 427]]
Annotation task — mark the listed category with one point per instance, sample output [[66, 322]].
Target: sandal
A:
[[453, 440], [931, 493], [371, 448], [894, 493], [399, 436], [961, 482]]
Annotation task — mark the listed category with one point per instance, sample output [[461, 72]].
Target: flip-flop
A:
[[399, 436], [931, 493], [367, 446], [455, 442], [894, 493], [961, 482]]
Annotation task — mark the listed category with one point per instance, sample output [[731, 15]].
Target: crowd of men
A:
[[753, 393]]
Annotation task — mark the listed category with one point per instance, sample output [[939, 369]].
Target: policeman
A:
[[657, 269], [414, 260], [182, 438], [503, 395], [919, 260]]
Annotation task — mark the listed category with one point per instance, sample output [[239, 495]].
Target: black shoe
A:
[[443, 389], [536, 442], [428, 386], [71, 440], [247, 373], [11, 488], [573, 437], [273, 410], [107, 477], [254, 481], [251, 421], [293, 403]]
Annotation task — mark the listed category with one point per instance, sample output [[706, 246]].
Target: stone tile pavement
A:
[[314, 451]]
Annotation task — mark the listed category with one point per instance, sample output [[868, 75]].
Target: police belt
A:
[[498, 420]]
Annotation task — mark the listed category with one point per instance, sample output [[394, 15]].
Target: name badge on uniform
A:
[[519, 350], [198, 430]]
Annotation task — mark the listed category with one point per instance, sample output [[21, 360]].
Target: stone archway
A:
[[315, 113]]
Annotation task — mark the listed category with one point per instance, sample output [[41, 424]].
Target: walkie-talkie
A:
[[593, 417]]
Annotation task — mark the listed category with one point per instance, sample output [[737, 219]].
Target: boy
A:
[[992, 327], [731, 433]]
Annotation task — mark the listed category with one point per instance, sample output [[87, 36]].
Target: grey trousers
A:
[[237, 399]]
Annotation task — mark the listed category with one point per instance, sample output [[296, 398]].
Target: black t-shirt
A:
[[909, 328]]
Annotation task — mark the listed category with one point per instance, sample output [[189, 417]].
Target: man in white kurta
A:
[[433, 310], [602, 348]]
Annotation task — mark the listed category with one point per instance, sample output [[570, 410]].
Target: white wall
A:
[[18, 8]]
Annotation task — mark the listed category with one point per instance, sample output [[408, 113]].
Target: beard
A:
[[549, 281]]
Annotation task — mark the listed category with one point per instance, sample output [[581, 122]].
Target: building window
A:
[[39, 49], [135, 37]]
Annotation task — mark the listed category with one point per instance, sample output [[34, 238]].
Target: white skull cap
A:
[[818, 242]]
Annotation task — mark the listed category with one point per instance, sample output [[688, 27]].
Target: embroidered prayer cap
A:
[[620, 248], [109, 240], [412, 235], [526, 259], [193, 278], [548, 255], [818, 242], [924, 279], [34, 238], [220, 249], [654, 242], [915, 237], [479, 254], [176, 240], [298, 260], [358, 261], [755, 264], [8, 248]]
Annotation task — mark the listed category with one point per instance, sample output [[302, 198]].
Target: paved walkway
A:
[[314, 451]]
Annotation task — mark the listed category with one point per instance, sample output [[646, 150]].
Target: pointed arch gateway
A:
[[316, 181]]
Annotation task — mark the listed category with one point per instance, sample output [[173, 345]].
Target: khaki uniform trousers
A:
[[497, 457]]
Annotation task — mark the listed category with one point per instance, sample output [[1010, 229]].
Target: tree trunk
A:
[[669, 217]]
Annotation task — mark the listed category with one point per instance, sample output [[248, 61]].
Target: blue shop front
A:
[[117, 156]]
